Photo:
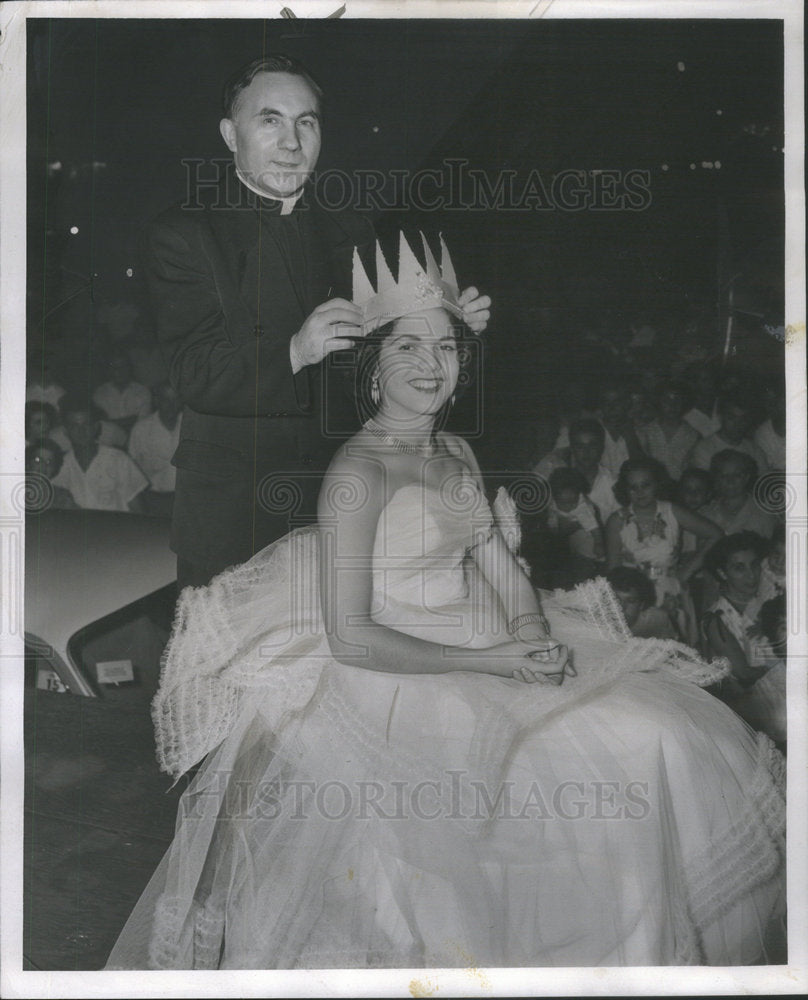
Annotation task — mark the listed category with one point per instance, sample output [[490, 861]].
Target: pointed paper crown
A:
[[417, 288]]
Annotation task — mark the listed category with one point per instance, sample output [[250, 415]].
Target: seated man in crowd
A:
[[668, 437], [152, 444], [587, 439], [735, 415], [620, 440], [122, 399], [96, 475], [733, 507]]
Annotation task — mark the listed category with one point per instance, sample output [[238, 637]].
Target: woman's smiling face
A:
[[418, 364]]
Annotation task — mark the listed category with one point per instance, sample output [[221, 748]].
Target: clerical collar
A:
[[286, 204]]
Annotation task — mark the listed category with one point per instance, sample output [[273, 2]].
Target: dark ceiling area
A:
[[669, 134]]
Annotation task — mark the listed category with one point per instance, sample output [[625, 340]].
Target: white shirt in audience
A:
[[110, 481], [133, 401], [152, 446], [36, 393]]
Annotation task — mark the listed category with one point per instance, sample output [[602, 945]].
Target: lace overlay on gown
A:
[[489, 859]]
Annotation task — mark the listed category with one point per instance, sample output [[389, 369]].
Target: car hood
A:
[[81, 565]]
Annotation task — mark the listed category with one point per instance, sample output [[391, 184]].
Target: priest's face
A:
[[274, 133]]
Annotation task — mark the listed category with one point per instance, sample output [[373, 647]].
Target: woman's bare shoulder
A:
[[458, 447]]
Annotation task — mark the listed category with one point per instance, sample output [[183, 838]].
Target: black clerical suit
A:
[[230, 283]]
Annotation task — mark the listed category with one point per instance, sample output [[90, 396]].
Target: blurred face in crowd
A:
[[734, 422], [274, 133], [39, 425], [631, 605], [82, 431], [586, 450], [742, 574], [641, 488], [613, 405], [693, 492], [45, 462], [566, 499], [731, 479]]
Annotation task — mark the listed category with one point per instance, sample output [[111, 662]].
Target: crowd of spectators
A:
[[106, 443], [671, 488]]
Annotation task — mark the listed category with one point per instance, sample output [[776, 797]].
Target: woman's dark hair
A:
[[748, 463], [272, 62], [717, 556], [699, 475], [628, 578], [367, 359], [772, 612], [656, 470], [567, 478], [46, 444]]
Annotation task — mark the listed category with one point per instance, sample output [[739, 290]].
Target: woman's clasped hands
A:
[[533, 661]]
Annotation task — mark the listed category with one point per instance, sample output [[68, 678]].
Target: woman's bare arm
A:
[[347, 532]]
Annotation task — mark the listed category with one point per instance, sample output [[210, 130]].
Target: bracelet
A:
[[534, 618]]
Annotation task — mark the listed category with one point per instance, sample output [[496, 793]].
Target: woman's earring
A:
[[452, 400], [375, 394]]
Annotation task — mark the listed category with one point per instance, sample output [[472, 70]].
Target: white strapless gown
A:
[[349, 818]]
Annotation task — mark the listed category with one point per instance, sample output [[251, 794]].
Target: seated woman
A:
[[733, 629], [403, 766], [646, 533]]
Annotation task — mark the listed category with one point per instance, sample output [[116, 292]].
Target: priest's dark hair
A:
[[272, 62]]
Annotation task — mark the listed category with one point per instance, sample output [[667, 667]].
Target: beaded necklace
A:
[[405, 447]]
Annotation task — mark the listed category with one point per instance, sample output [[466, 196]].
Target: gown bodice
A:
[[424, 582]]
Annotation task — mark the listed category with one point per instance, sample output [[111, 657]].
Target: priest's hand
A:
[[330, 327], [476, 309]]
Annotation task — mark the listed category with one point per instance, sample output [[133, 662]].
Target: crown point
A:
[[432, 270], [408, 264], [385, 282], [446, 266], [363, 290]]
